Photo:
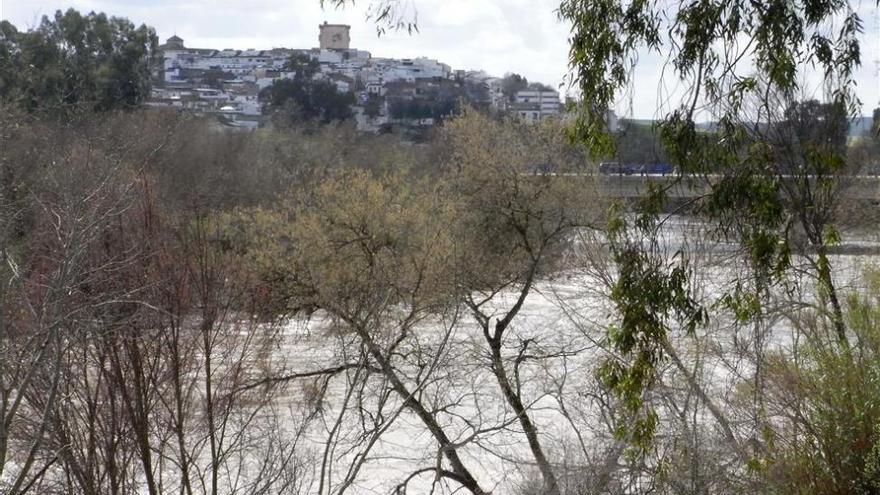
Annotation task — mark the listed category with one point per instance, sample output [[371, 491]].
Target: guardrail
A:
[[634, 186]]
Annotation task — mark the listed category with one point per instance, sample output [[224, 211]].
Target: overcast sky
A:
[[498, 36]]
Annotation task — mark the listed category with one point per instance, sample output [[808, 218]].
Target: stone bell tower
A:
[[334, 36]]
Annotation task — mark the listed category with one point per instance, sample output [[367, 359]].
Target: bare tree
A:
[[514, 227], [49, 295]]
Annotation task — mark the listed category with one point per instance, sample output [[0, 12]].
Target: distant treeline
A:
[[72, 60]]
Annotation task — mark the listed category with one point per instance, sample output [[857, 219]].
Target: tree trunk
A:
[[551, 486], [461, 474]]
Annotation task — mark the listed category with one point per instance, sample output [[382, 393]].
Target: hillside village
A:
[[387, 92]]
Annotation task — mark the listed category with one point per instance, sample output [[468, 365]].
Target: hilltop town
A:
[[384, 92], [212, 282]]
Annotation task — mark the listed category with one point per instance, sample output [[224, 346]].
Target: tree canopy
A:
[[71, 60], [167, 287], [511, 84], [772, 165], [305, 97]]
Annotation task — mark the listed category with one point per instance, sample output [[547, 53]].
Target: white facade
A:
[[326, 56], [178, 59], [211, 94], [534, 105], [548, 99], [419, 68], [342, 86], [496, 94], [375, 88], [350, 70], [246, 104]]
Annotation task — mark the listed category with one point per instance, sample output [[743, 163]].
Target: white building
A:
[[325, 56], [535, 105], [179, 62], [419, 68]]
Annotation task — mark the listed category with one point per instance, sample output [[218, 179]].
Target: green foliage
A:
[[830, 399], [749, 154], [354, 236], [864, 153], [74, 60], [607, 36], [749, 207], [511, 84], [817, 126], [747, 161], [305, 98], [652, 297], [875, 122], [744, 304], [638, 143], [386, 14], [423, 109], [355, 246], [603, 41], [373, 106], [213, 78], [512, 222], [872, 465], [304, 67]]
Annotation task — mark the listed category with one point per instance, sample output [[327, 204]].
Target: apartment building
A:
[[533, 105]]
